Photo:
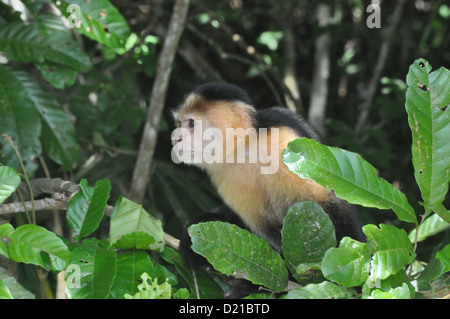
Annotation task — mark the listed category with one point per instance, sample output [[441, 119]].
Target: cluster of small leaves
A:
[[153, 290], [311, 256], [94, 268]]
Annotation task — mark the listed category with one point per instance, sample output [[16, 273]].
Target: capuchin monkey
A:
[[220, 131]]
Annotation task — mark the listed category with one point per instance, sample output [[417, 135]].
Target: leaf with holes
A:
[[235, 251], [99, 20], [427, 98], [97, 264], [348, 174], [392, 250]]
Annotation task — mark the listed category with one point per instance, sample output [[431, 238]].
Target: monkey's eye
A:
[[191, 123]]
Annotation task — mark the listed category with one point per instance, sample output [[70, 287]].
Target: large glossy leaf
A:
[[86, 208], [133, 227], [36, 245], [235, 251], [93, 268], [426, 97], [348, 174], [9, 181], [100, 20]]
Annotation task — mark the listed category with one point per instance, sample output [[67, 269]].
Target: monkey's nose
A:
[[180, 138]]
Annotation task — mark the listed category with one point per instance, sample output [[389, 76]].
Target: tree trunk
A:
[[141, 175]]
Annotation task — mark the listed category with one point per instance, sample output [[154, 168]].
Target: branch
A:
[[381, 62], [61, 193], [319, 90], [141, 174], [293, 100]]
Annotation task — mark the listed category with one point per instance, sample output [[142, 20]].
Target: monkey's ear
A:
[[175, 114]]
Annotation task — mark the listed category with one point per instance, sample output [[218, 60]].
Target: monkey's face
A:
[[195, 140], [208, 130]]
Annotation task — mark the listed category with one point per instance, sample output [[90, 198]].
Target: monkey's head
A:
[[202, 121]]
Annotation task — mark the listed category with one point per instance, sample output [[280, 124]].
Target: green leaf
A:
[[324, 290], [444, 256], [130, 266], [387, 285], [235, 251], [34, 244], [4, 291], [270, 39], [133, 227], [58, 131], [431, 226], [442, 212], [348, 174], [6, 231], [24, 43], [27, 111], [306, 235], [402, 292], [392, 250], [96, 262], [9, 181], [18, 119], [17, 290], [100, 20], [86, 208], [429, 120], [347, 265]]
